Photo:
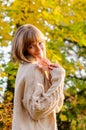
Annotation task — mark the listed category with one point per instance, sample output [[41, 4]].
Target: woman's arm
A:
[[41, 104]]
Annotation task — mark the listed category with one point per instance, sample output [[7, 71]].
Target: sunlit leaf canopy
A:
[[63, 23]]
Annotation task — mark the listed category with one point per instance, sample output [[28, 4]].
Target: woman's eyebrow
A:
[[32, 44], [35, 43], [40, 40]]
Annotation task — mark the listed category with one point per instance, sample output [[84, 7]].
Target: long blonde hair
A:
[[25, 35]]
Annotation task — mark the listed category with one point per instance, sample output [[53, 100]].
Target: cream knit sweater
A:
[[36, 99]]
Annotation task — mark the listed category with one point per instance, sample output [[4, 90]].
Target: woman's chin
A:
[[39, 56]]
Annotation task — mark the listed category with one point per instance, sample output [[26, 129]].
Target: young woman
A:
[[39, 83]]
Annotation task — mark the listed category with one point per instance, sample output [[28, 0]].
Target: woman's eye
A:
[[40, 43], [31, 46]]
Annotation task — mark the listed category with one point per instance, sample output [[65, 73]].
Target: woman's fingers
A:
[[54, 65], [51, 67], [42, 67], [46, 65], [45, 62]]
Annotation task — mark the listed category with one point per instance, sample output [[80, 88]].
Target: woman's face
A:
[[36, 49]]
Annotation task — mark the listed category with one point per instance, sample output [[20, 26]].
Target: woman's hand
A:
[[46, 65]]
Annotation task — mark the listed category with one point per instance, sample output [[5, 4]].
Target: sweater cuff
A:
[[55, 72]]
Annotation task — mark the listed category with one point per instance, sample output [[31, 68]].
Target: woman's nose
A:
[[38, 48]]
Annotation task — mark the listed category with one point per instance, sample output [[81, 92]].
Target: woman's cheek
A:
[[31, 51]]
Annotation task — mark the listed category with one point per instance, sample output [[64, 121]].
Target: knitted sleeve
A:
[[41, 104]]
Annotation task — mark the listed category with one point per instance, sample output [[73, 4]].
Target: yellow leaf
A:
[[79, 65], [63, 117], [1, 88], [3, 74]]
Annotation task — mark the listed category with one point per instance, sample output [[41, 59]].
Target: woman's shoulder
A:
[[29, 70], [25, 70], [27, 67]]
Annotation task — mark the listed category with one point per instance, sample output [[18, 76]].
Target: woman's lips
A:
[[40, 53]]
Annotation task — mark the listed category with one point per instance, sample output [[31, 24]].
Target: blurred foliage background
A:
[[63, 23]]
